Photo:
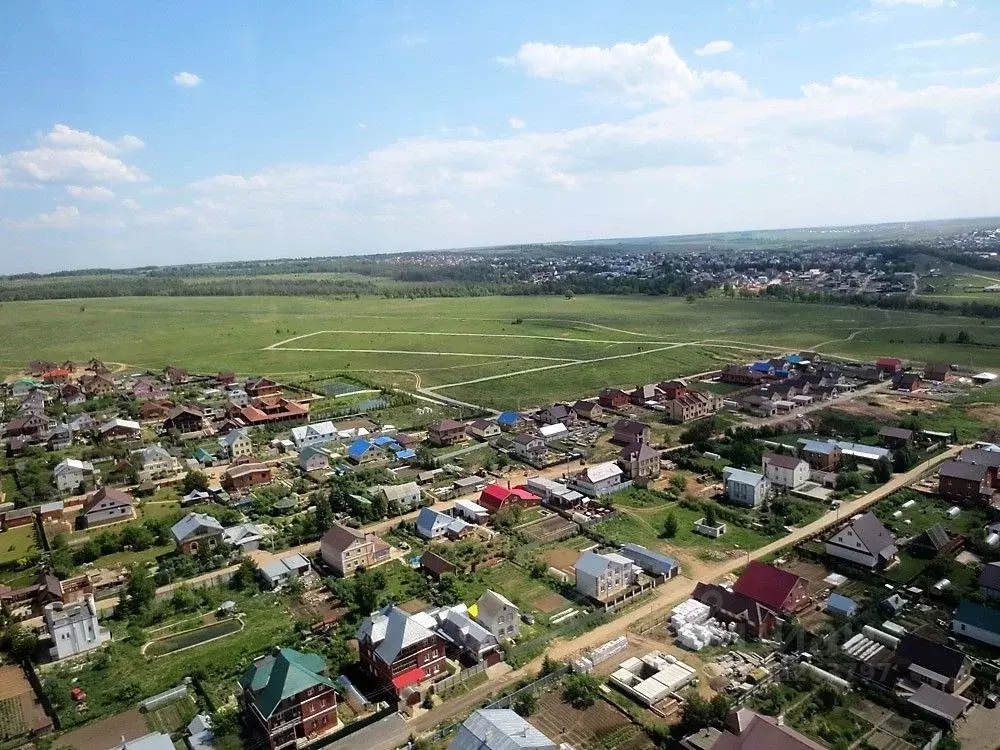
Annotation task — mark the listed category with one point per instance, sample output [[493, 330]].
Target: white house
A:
[[977, 622], [285, 570], [550, 432], [308, 435], [785, 471], [237, 443], [407, 495], [601, 577], [471, 511], [498, 615], [864, 541], [599, 480], [431, 524], [70, 474], [484, 429], [155, 462], [74, 628], [745, 487]]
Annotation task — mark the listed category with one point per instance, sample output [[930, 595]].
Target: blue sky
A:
[[175, 132]]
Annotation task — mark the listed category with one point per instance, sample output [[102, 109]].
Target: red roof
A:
[[56, 372], [495, 496], [523, 494], [767, 584], [889, 362], [409, 677], [495, 492]]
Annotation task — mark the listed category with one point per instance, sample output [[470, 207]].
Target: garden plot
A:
[[598, 727], [550, 529]]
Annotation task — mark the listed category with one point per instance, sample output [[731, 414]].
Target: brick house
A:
[[286, 699], [640, 461], [258, 387], [939, 372], [740, 375], [184, 419], [591, 410], [752, 619], [686, 404], [446, 432], [245, 477], [821, 455], [628, 431], [176, 375], [196, 531], [888, 366], [496, 497], [97, 385], [778, 590], [345, 549], [965, 482], [907, 381], [643, 393], [397, 651], [612, 398]]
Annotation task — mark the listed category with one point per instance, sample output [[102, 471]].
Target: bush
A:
[[581, 691], [526, 704]]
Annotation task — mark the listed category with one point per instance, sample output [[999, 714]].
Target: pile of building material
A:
[[652, 678], [600, 654], [689, 612], [711, 633]]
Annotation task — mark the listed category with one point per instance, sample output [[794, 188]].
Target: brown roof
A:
[[436, 564], [238, 471], [630, 426], [759, 732], [340, 537], [108, 493], [781, 460], [447, 424]]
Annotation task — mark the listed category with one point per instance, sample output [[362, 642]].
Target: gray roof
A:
[[980, 456], [939, 703], [491, 603], [152, 741], [873, 534], [195, 524], [498, 729], [399, 491], [989, 576], [595, 564], [963, 470], [742, 477], [399, 630]]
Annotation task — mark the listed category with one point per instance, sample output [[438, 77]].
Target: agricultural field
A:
[[17, 543], [496, 351]]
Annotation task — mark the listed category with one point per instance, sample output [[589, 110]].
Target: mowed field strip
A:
[[505, 352]]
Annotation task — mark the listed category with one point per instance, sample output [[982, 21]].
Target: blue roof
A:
[[793, 359], [359, 448], [383, 440], [761, 367], [978, 616], [201, 453], [406, 454], [841, 603], [508, 417]]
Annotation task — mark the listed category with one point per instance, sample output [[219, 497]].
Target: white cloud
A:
[[848, 85], [516, 123], [716, 47], [915, 3], [130, 204], [61, 217], [188, 80], [637, 72], [90, 193], [958, 40], [69, 155], [130, 143]]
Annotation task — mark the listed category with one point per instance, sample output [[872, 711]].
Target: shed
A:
[[838, 604]]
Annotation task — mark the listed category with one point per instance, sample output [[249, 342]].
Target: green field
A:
[[582, 343], [17, 542]]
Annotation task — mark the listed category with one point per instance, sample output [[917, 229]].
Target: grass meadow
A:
[[387, 341]]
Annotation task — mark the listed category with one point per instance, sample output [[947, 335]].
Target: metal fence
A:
[[542, 682], [457, 679]]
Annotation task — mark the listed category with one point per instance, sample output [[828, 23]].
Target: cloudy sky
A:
[[154, 133]]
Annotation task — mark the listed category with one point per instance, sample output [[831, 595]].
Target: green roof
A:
[[978, 616], [274, 678]]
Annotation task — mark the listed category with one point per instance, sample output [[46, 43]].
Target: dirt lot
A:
[[595, 728], [979, 731], [550, 603], [907, 404], [984, 411], [561, 558], [414, 605], [98, 735]]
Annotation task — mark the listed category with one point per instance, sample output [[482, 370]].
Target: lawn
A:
[[16, 543], [120, 676], [215, 333], [172, 717]]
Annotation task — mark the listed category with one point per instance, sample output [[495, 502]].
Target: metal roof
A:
[[978, 616], [742, 476], [498, 729]]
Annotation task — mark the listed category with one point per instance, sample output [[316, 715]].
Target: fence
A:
[[507, 701], [455, 680]]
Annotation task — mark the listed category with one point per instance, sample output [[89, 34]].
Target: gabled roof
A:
[[763, 732], [508, 417], [964, 470], [126, 424], [897, 433], [980, 456], [232, 436], [630, 427], [594, 563], [936, 657], [781, 460], [978, 616], [116, 496], [359, 448], [491, 603], [640, 451], [393, 630], [766, 584], [399, 491], [600, 472], [430, 520], [872, 533], [989, 576], [525, 439], [742, 476], [499, 729], [820, 447], [286, 674], [195, 524]]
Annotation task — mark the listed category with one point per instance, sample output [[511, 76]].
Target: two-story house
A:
[[777, 589], [745, 487], [318, 433], [612, 398], [106, 505], [120, 429], [345, 549], [237, 444], [531, 448], [156, 462], [406, 496], [397, 651], [604, 576], [965, 482], [935, 664], [628, 431], [820, 455], [599, 480], [184, 419], [71, 474], [446, 432], [640, 462], [288, 700], [864, 541], [785, 471], [498, 615], [74, 628], [245, 477]]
